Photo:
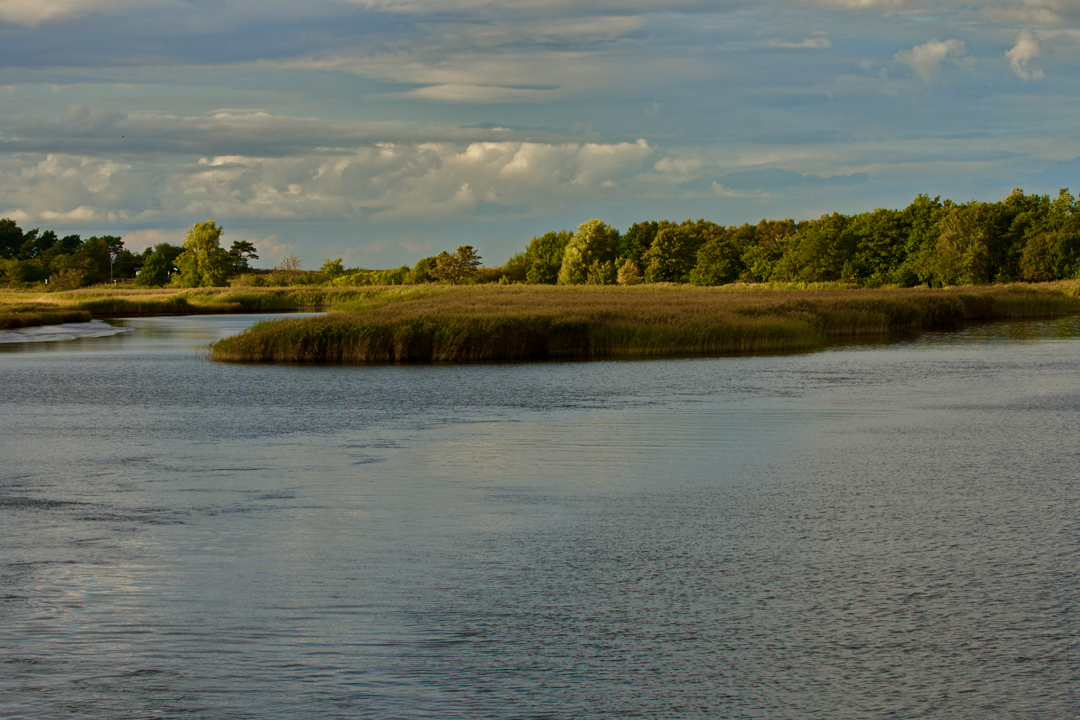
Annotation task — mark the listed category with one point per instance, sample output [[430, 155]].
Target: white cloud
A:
[[926, 59], [1027, 48], [679, 166], [389, 182]]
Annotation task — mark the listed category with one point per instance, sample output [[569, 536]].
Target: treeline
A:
[[930, 242], [1021, 238], [34, 257]]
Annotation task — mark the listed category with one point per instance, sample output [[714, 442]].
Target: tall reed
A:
[[451, 324]]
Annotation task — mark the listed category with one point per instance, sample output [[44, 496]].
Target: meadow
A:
[[448, 323]]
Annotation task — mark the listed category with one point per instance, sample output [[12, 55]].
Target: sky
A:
[[385, 131]]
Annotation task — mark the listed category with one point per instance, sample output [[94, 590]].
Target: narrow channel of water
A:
[[866, 532]]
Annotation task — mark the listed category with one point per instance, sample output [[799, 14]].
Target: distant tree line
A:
[[933, 242], [1021, 238], [930, 242], [35, 257]]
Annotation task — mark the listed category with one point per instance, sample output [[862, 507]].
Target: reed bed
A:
[[474, 323], [20, 316], [133, 302]]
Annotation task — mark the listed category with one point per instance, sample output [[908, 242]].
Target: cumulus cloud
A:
[[387, 182], [926, 59], [1027, 48]]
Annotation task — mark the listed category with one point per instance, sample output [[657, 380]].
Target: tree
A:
[[457, 266], [203, 263], [594, 242], [637, 240], [423, 271], [822, 250], [544, 257], [962, 255], [158, 265], [721, 261], [671, 256], [11, 238], [629, 273], [239, 254], [332, 269], [881, 238]]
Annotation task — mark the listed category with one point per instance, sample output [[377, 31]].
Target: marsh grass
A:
[[498, 322], [30, 315], [15, 306]]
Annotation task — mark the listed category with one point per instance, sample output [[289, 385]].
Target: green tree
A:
[[594, 242], [332, 269], [671, 256], [637, 241], [457, 266], [721, 261], [11, 238], [240, 253], [544, 257], [423, 271], [822, 250], [602, 273], [158, 265], [203, 263], [962, 255], [881, 247]]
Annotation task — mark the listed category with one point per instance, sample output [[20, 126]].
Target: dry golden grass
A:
[[493, 322]]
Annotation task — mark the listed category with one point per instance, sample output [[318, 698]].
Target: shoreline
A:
[[515, 323]]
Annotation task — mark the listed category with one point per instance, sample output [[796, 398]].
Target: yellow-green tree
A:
[[592, 246], [204, 263]]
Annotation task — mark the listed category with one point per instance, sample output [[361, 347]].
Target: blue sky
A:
[[383, 131]]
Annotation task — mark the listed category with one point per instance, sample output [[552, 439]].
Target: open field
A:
[[519, 322]]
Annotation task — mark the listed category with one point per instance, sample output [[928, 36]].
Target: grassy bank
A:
[[448, 323], [30, 315], [22, 309]]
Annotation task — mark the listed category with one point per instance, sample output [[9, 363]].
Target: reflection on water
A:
[[877, 531], [56, 333]]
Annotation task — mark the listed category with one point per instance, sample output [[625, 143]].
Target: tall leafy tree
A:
[[544, 257], [594, 243], [671, 256], [822, 250], [203, 263], [963, 252]]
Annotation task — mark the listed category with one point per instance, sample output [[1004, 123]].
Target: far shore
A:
[[454, 323]]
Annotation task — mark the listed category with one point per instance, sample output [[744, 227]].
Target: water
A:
[[883, 531]]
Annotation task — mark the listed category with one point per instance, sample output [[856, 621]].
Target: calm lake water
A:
[[878, 531]]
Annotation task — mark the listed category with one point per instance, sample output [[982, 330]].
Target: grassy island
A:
[[519, 322]]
